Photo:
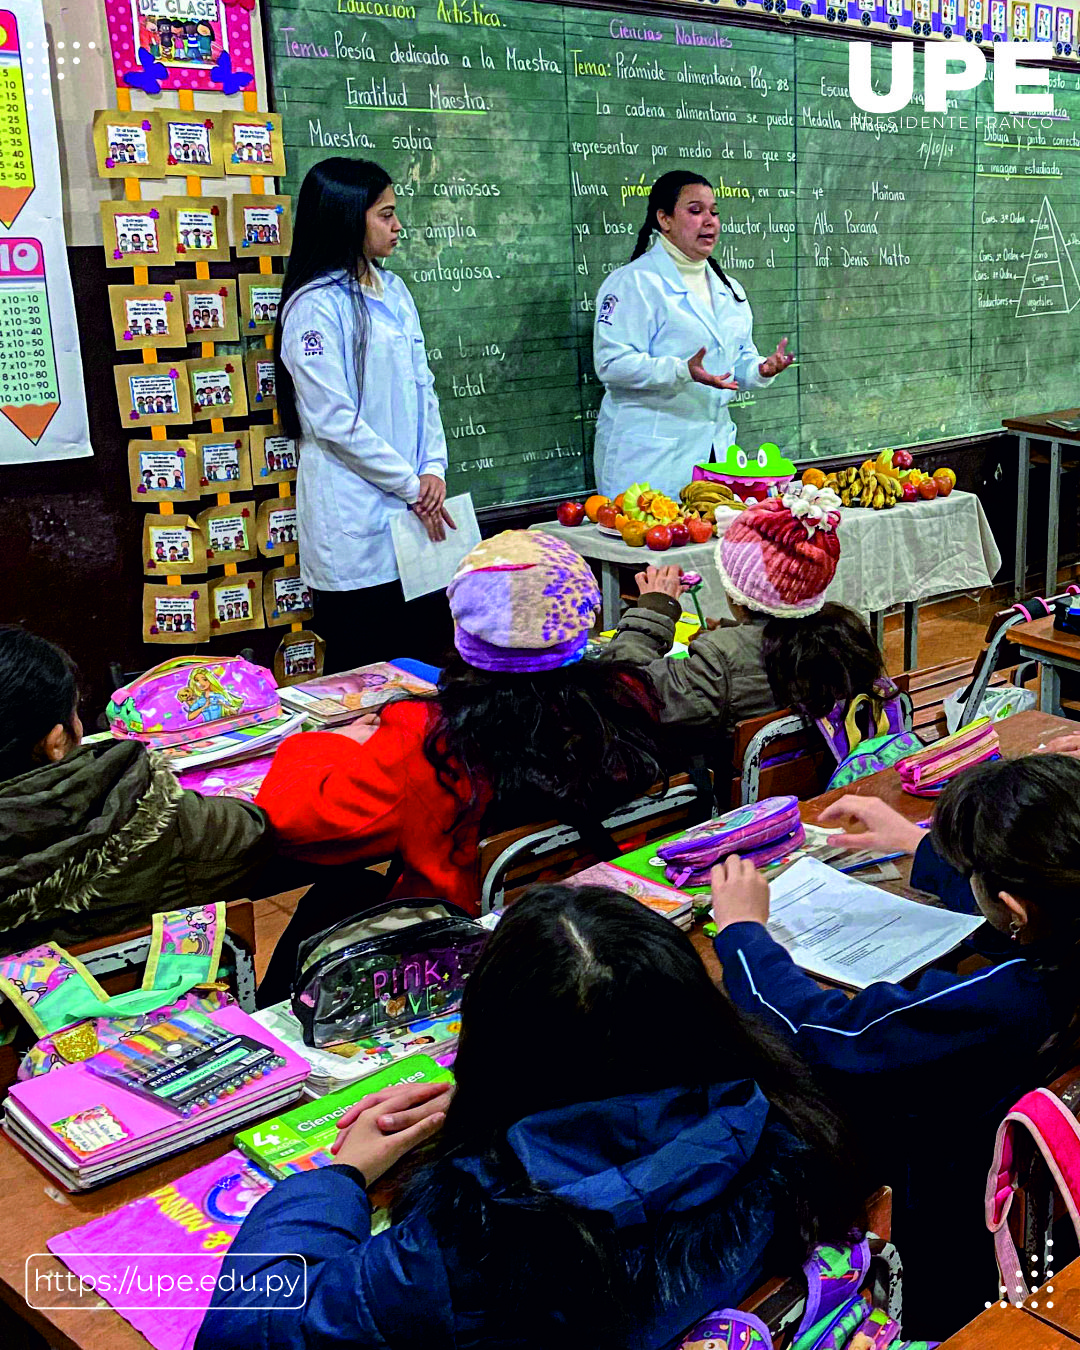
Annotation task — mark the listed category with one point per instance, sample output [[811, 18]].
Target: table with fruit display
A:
[[905, 536]]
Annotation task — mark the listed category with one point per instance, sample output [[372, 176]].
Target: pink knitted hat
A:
[[779, 557]]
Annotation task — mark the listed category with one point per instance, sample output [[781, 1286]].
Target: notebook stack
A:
[[153, 1094], [339, 1065], [333, 699], [300, 1140]]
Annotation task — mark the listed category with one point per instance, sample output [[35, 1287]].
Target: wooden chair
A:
[[779, 754], [515, 859], [117, 962]]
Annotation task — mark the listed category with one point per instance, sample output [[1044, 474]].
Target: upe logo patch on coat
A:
[[313, 344], [607, 308]]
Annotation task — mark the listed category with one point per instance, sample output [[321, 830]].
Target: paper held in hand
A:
[[425, 567], [846, 932]]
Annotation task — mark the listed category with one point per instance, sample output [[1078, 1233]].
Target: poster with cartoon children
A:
[[173, 614], [136, 233], [196, 231], [227, 534], [188, 144], [190, 35], [299, 658]]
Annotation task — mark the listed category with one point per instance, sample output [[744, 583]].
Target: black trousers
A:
[[376, 624]]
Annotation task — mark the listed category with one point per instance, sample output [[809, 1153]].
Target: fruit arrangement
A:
[[641, 502], [881, 483], [703, 496], [643, 516]]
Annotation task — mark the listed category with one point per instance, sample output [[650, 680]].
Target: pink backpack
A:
[[192, 697], [1056, 1133]]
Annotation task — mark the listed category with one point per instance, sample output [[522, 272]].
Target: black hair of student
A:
[[819, 660], [1016, 823], [572, 743], [38, 691], [582, 994], [663, 196], [329, 229]]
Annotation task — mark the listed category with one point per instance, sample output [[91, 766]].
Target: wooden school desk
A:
[[1029, 429], [1055, 651], [1064, 1316], [1009, 1329]]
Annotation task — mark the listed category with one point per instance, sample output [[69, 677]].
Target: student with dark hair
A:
[[672, 344], [940, 1062], [94, 839], [785, 648], [632, 1171], [355, 389], [520, 730]]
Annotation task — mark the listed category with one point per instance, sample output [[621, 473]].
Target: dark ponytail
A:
[[38, 691], [664, 196]]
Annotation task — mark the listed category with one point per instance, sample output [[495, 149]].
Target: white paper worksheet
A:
[[844, 931], [425, 567]]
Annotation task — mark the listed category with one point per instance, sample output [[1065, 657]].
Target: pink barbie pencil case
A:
[[762, 832]]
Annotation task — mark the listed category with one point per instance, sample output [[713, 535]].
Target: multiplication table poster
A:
[[41, 382]]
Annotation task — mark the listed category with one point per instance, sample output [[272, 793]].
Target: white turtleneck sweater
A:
[[694, 271]]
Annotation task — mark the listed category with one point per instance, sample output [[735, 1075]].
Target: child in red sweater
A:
[[521, 730]]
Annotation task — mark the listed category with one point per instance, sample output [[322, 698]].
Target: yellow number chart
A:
[[16, 161]]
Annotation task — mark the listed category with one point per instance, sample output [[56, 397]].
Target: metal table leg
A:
[[610, 593], [1050, 689], [877, 628], [1022, 476], [1053, 519], [911, 635]]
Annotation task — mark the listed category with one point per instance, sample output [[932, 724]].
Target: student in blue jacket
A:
[[931, 1068], [621, 1155]]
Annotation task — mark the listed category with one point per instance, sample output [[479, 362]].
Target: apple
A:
[[659, 538], [910, 493], [944, 484], [928, 489], [700, 531], [679, 533], [901, 459], [607, 516], [571, 513]]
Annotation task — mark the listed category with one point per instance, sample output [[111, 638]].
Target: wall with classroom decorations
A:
[[925, 275]]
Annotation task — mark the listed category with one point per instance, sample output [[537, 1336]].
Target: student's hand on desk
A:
[[1061, 745], [359, 731], [381, 1128], [885, 828], [740, 894], [699, 374], [661, 581]]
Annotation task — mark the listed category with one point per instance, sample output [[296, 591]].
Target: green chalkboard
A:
[[926, 274]]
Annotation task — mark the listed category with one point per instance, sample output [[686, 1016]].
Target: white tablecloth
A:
[[910, 553]]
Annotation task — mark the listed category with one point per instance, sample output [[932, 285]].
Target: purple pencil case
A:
[[763, 833]]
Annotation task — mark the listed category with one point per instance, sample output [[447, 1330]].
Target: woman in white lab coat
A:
[[673, 342], [354, 388]]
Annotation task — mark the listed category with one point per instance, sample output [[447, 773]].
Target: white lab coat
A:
[[656, 422], [360, 458]]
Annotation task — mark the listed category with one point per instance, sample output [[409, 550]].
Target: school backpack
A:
[[192, 697], [1056, 1134], [837, 1315], [868, 733]]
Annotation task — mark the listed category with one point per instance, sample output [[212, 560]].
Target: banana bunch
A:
[[865, 486], [703, 496]]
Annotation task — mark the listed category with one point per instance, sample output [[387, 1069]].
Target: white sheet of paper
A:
[[847, 932], [427, 567]]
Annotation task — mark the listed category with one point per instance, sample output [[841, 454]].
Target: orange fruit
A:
[[812, 477], [593, 504], [633, 533], [619, 500]]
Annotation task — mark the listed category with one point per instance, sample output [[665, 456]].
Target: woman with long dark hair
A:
[[354, 388], [672, 343], [521, 730], [623, 1153]]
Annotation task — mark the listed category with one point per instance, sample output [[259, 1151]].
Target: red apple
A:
[[607, 516], [700, 531], [901, 459], [928, 489], [945, 481], [571, 513], [910, 492], [679, 533], [659, 538]]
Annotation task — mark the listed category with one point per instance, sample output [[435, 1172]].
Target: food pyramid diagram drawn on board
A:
[[1050, 284]]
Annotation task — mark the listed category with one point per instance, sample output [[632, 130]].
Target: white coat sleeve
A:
[[433, 453], [745, 365], [313, 350], [625, 323]]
